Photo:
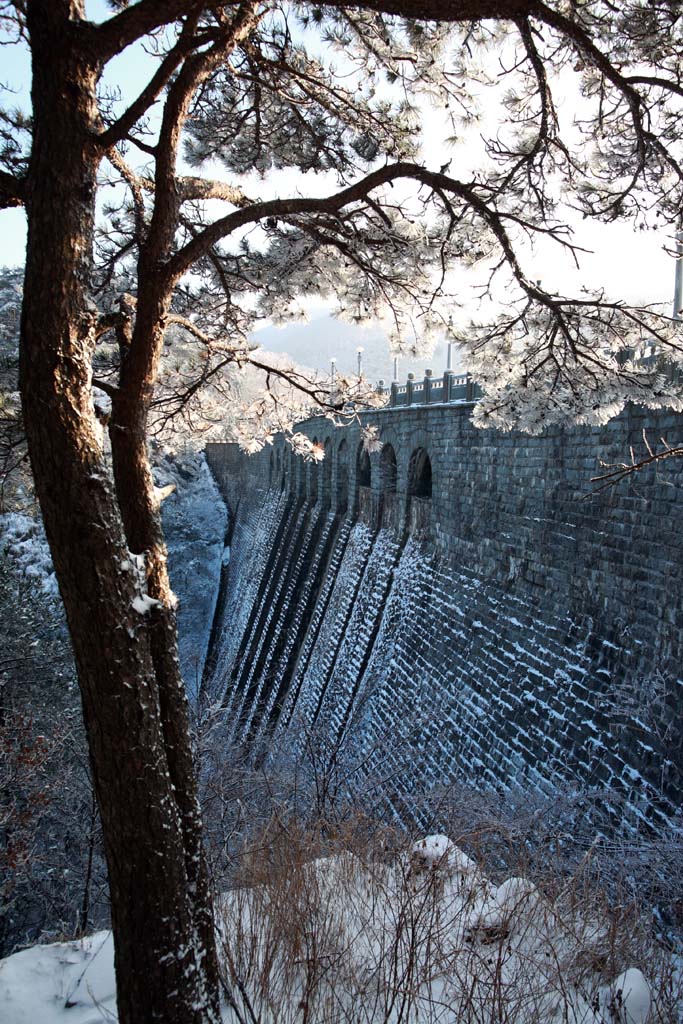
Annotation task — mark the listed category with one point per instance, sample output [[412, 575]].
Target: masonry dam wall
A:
[[461, 605]]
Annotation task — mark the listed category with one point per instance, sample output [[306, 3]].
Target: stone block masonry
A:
[[463, 604]]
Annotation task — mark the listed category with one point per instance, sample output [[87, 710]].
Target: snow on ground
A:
[[66, 981], [421, 940], [23, 541]]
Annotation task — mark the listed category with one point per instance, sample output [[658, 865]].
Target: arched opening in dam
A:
[[313, 472], [342, 478], [420, 474], [279, 481], [293, 473], [388, 475], [326, 474], [364, 479], [387, 470], [419, 491], [364, 471]]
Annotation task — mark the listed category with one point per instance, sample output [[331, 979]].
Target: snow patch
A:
[[23, 541], [143, 603], [67, 981], [628, 998]]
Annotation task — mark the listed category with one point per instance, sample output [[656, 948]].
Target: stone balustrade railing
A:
[[452, 387]]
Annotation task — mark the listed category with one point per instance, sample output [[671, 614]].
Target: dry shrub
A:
[[337, 924]]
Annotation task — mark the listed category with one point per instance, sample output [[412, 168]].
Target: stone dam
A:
[[461, 605]]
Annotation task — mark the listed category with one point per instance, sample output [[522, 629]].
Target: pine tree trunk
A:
[[133, 699]]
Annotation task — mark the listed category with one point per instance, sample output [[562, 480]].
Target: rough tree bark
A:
[[133, 699]]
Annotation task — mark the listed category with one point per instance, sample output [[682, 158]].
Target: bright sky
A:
[[627, 264]]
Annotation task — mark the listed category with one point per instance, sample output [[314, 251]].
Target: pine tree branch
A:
[[12, 191], [161, 77], [189, 188], [275, 208], [657, 82], [192, 188], [446, 10], [103, 385], [137, 184], [195, 71], [318, 393], [139, 19]]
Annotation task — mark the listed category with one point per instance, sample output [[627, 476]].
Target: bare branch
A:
[[616, 472], [137, 184], [105, 386], [319, 393]]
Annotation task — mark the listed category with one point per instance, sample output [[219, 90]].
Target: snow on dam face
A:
[[462, 605]]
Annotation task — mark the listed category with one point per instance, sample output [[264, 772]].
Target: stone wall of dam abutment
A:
[[464, 604]]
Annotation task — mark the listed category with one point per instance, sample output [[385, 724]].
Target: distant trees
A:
[[248, 89]]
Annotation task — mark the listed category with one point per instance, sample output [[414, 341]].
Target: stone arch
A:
[[388, 473], [313, 474], [390, 510], [364, 468], [293, 471], [326, 474], [419, 492], [281, 469], [342, 488], [420, 474], [364, 503], [393, 449]]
